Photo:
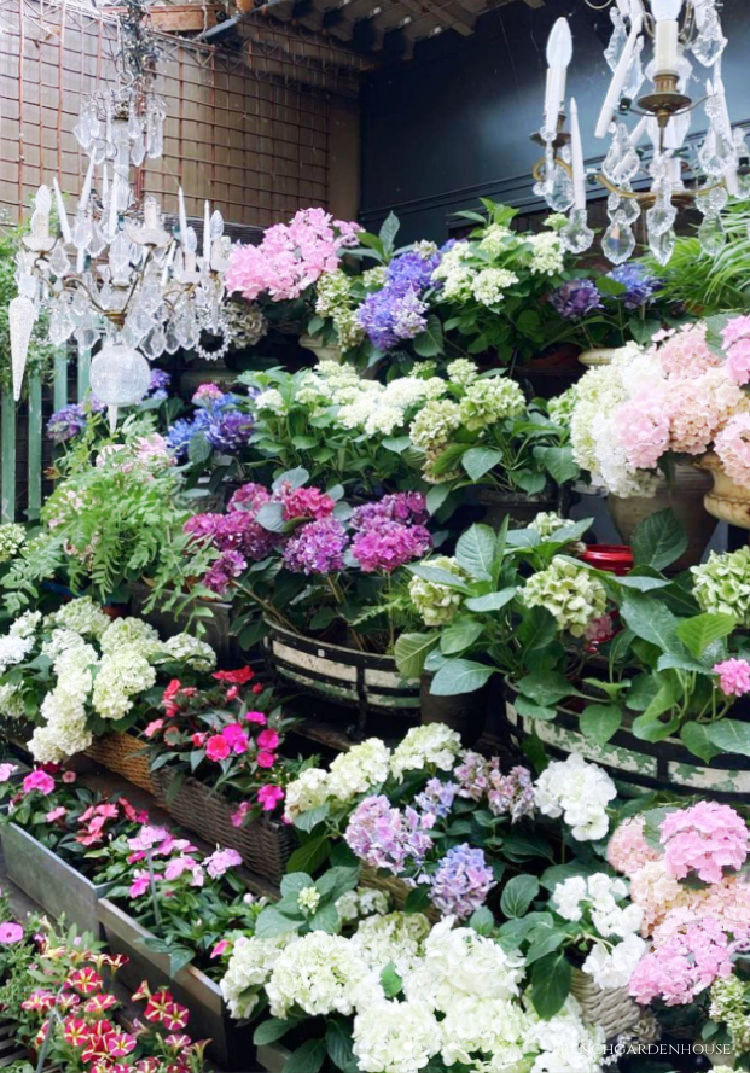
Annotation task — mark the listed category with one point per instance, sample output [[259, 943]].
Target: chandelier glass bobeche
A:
[[686, 42], [113, 274]]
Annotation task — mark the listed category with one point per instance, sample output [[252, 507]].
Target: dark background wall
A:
[[453, 124]]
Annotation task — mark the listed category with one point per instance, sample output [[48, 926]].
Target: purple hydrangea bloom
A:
[[250, 497], [473, 776], [182, 431], [397, 312], [639, 283], [401, 507], [385, 837], [229, 430], [576, 299], [408, 314], [159, 386], [462, 882], [236, 531], [511, 794], [436, 800], [389, 546], [69, 421], [223, 570], [317, 547], [412, 269]]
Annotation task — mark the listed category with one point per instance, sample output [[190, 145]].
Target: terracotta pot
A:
[[685, 496], [727, 501]]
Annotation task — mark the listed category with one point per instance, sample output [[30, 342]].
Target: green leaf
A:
[[651, 620], [436, 496], [475, 551], [694, 736], [410, 652], [310, 819], [295, 477], [430, 342], [271, 1030], [326, 919], [339, 1045], [545, 687], [659, 540], [550, 984], [310, 855], [480, 460], [294, 882], [397, 444], [531, 481], [390, 980], [388, 232], [460, 676], [308, 1058], [271, 517], [417, 900], [730, 735], [271, 923], [544, 942], [703, 630], [199, 449], [560, 464], [482, 921], [518, 894], [642, 584], [492, 601], [528, 709], [459, 635], [438, 575], [600, 722]]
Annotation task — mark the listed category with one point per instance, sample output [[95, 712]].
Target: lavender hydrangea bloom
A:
[[385, 837], [639, 283], [436, 800], [462, 882], [159, 385], [399, 507], [408, 315], [317, 548], [511, 794], [229, 430], [576, 299], [223, 570], [397, 312], [69, 421], [412, 269]]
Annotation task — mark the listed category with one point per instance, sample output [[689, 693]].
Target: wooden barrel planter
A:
[[265, 845], [365, 681], [124, 755], [643, 765]]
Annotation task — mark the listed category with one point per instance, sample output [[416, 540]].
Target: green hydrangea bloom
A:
[[723, 584], [435, 602], [569, 592], [488, 401], [12, 537]]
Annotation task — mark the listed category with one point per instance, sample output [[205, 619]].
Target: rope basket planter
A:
[[124, 755], [611, 1008], [660, 765], [366, 681], [264, 845], [397, 888]]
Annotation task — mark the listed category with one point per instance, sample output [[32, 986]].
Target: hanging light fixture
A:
[[673, 29]]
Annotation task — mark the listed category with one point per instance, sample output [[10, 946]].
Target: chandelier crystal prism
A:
[[112, 277], [647, 134]]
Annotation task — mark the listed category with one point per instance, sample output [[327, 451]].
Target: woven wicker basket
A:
[[126, 756], [265, 845], [392, 885], [612, 1008]]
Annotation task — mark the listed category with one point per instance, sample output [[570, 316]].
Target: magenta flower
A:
[[220, 948], [705, 838], [307, 503], [242, 810], [10, 933], [268, 739], [734, 677], [269, 797], [140, 883], [217, 748], [207, 393], [317, 548], [38, 780], [256, 717], [265, 758], [236, 737], [148, 837], [250, 497], [407, 507], [389, 546]]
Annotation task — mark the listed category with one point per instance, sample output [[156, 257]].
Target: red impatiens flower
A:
[[173, 688], [217, 748], [236, 678], [257, 689], [86, 980], [198, 738]]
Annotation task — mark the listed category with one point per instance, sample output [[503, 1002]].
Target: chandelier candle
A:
[[666, 35]]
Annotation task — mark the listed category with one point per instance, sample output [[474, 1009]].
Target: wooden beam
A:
[[182, 18]]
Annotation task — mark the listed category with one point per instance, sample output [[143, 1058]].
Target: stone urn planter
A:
[[685, 497], [231, 1042], [48, 880], [322, 351], [726, 500]]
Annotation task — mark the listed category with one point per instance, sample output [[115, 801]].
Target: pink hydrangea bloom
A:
[[309, 504], [656, 891], [685, 354], [38, 780], [389, 546], [705, 839], [269, 797], [206, 393], [687, 960], [643, 428], [291, 256], [699, 408], [734, 677], [738, 362], [737, 328], [733, 448], [628, 849]]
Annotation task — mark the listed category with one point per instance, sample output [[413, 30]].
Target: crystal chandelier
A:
[[675, 31], [113, 277]]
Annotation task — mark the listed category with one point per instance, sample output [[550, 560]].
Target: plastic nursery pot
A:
[[463, 712], [49, 881], [231, 1043], [613, 558]]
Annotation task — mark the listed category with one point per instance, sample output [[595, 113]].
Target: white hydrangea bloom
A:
[[59, 641], [404, 392], [495, 239], [81, 615], [122, 674], [566, 1044], [308, 791], [26, 624], [568, 897], [270, 399], [548, 257], [130, 631], [613, 966], [14, 650], [308, 899], [396, 937], [320, 974], [396, 1037], [495, 1027], [362, 902], [462, 371], [11, 702], [490, 284], [453, 272], [434, 744], [359, 769], [579, 792], [64, 731], [250, 964], [184, 648]]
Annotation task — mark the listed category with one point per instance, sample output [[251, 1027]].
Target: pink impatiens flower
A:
[[140, 883], [148, 837], [217, 748], [6, 770], [256, 717], [734, 677], [221, 948], [10, 933], [236, 737], [705, 838], [220, 861], [153, 727], [268, 739], [269, 797], [265, 759], [38, 780], [55, 814], [242, 810]]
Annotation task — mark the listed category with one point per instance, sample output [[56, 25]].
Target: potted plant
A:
[[175, 913], [215, 760]]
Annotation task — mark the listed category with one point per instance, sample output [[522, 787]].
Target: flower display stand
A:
[[231, 1043], [366, 681], [49, 881], [265, 845], [661, 765]]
